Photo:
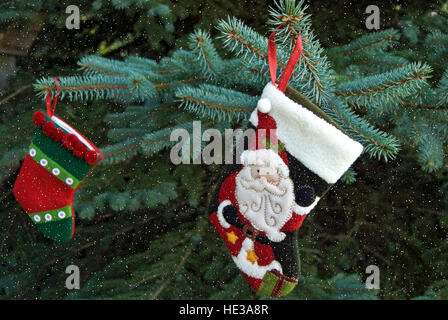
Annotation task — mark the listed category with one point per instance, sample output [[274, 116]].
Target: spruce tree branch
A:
[[178, 69], [233, 33], [168, 63], [164, 85], [420, 107], [152, 112], [290, 21], [183, 57], [163, 110], [15, 93], [311, 67], [143, 281], [166, 71], [365, 46], [356, 131], [436, 120], [200, 43], [48, 89], [124, 149], [172, 274], [415, 75], [98, 86], [89, 67], [384, 63], [200, 227], [212, 105], [151, 259], [416, 131], [158, 139]]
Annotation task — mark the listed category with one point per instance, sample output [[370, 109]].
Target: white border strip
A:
[[69, 129]]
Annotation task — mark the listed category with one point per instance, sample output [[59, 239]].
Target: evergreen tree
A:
[[385, 89]]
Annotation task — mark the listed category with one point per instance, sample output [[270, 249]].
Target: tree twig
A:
[[15, 93]]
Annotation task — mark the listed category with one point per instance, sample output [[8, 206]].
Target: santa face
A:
[[265, 174], [265, 200]]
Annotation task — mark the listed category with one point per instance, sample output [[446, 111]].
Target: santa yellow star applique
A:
[[251, 256], [232, 237]]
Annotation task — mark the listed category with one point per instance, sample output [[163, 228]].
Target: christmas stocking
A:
[[58, 160], [294, 156]]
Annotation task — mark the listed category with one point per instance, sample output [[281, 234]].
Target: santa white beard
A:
[[267, 206]]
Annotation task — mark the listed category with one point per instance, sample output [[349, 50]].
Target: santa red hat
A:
[[265, 147]]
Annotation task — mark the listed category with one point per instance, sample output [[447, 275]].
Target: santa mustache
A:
[[249, 183]]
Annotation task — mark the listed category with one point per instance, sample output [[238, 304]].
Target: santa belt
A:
[[252, 233]]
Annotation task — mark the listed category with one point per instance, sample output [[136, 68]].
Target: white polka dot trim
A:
[[36, 218], [69, 181], [48, 217], [43, 162], [32, 152], [56, 171], [61, 214]]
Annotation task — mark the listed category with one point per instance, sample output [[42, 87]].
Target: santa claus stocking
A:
[[294, 156], [58, 160]]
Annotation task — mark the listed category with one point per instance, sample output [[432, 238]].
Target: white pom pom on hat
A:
[[264, 105]]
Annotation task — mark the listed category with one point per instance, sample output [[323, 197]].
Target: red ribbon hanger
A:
[[50, 109], [289, 69]]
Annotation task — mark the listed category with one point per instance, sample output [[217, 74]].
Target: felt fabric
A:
[[52, 215], [60, 231], [77, 166], [53, 167], [257, 218], [49, 178], [37, 190], [274, 256], [274, 284], [310, 151]]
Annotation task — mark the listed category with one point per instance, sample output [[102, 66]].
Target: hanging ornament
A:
[[58, 160], [294, 156]]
